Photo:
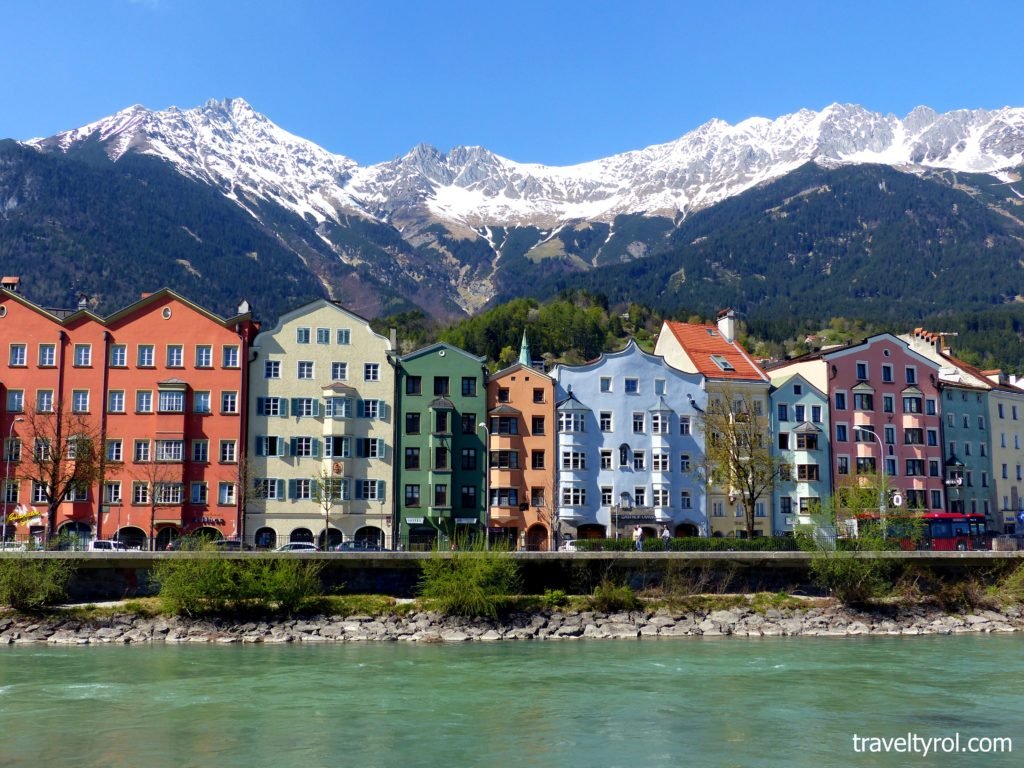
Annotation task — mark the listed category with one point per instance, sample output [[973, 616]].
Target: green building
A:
[[442, 401]]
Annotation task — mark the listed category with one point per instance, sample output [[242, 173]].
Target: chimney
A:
[[393, 338], [727, 324], [11, 283], [83, 301]]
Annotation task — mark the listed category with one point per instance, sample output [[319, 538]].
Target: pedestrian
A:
[[638, 533], [665, 536]]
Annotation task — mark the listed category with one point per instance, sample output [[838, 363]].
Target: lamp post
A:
[[882, 504], [487, 484], [7, 473]]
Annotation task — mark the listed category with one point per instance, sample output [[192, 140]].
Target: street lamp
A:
[[7, 473], [487, 484], [882, 504]]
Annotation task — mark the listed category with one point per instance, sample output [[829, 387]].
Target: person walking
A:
[[638, 541], [665, 536]]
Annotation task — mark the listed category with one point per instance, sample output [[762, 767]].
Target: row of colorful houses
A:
[[318, 430]]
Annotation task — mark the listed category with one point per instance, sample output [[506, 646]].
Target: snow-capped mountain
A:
[[241, 152]]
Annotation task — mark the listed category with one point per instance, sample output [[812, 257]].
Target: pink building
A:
[[884, 397]]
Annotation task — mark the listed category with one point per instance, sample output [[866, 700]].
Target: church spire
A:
[[524, 351]]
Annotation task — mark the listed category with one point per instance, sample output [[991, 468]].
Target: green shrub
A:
[[29, 584], [213, 584], [609, 597], [470, 582], [554, 598]]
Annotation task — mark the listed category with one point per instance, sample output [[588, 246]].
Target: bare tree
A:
[[738, 450], [164, 481], [327, 490], [62, 457]]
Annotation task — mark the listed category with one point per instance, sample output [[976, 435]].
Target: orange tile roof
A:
[[700, 342]]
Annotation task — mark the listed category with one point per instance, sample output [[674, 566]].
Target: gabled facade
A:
[[521, 455], [442, 403], [732, 376], [161, 385], [1006, 420], [803, 449], [628, 450], [321, 437]]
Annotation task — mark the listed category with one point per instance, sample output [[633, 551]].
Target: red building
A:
[[158, 389]]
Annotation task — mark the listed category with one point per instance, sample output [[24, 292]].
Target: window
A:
[[441, 422], [933, 468], [684, 425], [441, 386], [18, 357], [337, 447], [441, 457], [864, 433], [537, 425], [887, 374], [574, 460], [175, 356], [227, 452], [862, 371], [300, 489], [370, 490], [911, 375], [413, 385], [112, 492], [200, 451], [371, 371], [504, 425], [115, 401], [659, 386], [816, 414], [659, 462], [339, 371], [204, 356], [639, 462], [537, 460], [783, 442], [913, 436], [83, 355], [640, 496], [269, 445], [659, 423], [807, 472], [660, 497], [606, 384], [570, 421], [684, 462], [912, 404], [229, 402], [323, 335], [722, 363], [605, 421], [933, 437], [141, 451], [302, 447], [638, 422], [537, 497], [412, 423], [140, 493], [863, 401], [15, 400], [114, 448], [44, 400], [302, 335], [226, 494], [304, 369], [888, 404], [469, 458], [574, 497], [200, 402], [80, 401], [146, 358], [271, 406], [783, 411], [841, 435], [230, 356], [48, 355], [930, 406], [915, 467], [806, 442], [337, 408], [372, 409], [272, 369], [840, 401], [169, 450], [370, 447], [469, 386], [631, 385], [842, 465], [412, 495], [344, 336], [981, 422], [538, 395], [441, 495], [606, 458], [866, 465], [171, 401]]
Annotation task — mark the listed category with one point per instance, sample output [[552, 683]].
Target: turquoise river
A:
[[682, 702]]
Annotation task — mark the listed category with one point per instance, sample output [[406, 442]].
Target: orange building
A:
[[159, 386], [521, 454]]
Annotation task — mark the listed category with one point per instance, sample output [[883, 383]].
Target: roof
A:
[[704, 344], [505, 410]]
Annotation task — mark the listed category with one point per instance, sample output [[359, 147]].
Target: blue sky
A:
[[550, 82]]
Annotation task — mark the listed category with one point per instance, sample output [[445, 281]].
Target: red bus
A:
[[940, 531], [946, 531]]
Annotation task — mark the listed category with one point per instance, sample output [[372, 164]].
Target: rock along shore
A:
[[424, 627]]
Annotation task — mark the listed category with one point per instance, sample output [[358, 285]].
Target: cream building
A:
[[321, 431]]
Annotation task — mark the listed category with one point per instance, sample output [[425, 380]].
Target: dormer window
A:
[[722, 363]]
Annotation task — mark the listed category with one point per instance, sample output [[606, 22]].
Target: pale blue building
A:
[[629, 447]]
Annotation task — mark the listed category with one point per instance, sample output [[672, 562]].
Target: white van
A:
[[105, 545]]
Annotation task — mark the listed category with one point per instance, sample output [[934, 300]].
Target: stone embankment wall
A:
[[828, 621]]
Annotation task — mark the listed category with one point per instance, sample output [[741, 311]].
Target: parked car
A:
[[106, 545], [298, 546], [13, 546], [357, 546], [232, 545]]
